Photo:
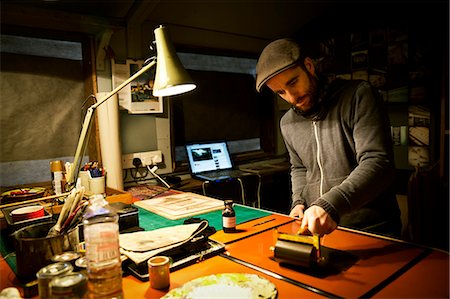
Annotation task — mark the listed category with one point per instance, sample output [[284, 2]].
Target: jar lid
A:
[[56, 166]]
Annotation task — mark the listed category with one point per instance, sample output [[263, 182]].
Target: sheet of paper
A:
[[140, 246], [158, 238]]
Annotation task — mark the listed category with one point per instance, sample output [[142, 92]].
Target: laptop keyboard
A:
[[226, 172]]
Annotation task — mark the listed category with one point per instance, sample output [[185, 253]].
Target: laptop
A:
[[211, 161]]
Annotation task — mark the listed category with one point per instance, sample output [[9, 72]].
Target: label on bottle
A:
[[57, 178], [229, 222], [101, 241]]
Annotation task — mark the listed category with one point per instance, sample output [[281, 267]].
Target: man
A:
[[338, 139]]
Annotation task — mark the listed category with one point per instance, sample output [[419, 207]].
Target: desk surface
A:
[[371, 266], [365, 265]]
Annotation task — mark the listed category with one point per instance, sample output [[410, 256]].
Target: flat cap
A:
[[276, 57]]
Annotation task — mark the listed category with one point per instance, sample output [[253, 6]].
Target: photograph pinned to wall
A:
[[418, 156], [137, 97], [419, 125], [419, 136]]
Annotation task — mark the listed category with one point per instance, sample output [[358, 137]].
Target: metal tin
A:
[[72, 285], [46, 274], [69, 257], [81, 262]]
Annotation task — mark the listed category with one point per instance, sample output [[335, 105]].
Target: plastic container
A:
[[101, 235]]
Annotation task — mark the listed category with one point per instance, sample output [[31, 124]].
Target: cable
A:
[[242, 191], [138, 178], [153, 171]]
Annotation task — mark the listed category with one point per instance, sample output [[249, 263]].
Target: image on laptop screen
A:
[[208, 156]]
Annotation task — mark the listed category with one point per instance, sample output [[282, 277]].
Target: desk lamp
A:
[[170, 79]]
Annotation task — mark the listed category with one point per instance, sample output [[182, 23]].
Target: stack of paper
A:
[[181, 205]]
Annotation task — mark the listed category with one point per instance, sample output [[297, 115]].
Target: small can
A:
[[159, 272], [45, 275], [81, 263], [68, 257], [72, 285]]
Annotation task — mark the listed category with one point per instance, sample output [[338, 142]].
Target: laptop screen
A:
[[208, 156]]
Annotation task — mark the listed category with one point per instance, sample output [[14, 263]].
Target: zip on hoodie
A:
[[316, 134]]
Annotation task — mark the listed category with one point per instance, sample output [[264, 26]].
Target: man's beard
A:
[[313, 94]]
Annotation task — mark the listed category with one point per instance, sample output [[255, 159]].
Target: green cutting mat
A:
[[150, 221], [6, 251]]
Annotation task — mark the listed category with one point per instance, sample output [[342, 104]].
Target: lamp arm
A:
[[125, 83], [82, 141]]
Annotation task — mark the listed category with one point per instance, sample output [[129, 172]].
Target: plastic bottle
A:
[[101, 235], [228, 217]]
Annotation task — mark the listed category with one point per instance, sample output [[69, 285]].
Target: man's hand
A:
[[317, 221], [297, 211]]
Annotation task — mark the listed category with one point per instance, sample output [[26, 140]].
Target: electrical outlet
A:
[[147, 158]]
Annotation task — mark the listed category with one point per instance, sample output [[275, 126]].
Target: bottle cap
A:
[[228, 201], [56, 166]]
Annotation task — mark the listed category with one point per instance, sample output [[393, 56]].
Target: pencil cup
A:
[[159, 272], [84, 177], [97, 185]]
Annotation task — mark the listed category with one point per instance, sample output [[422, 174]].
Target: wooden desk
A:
[[373, 266], [368, 265], [218, 264]]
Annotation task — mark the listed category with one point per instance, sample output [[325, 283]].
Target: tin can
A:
[[159, 272], [72, 285], [47, 273], [68, 257], [81, 263]]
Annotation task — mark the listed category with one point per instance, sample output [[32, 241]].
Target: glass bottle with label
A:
[[228, 217], [101, 235]]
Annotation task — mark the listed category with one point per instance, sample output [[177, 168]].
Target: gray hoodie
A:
[[342, 160]]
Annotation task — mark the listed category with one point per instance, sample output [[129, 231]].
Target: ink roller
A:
[[298, 250]]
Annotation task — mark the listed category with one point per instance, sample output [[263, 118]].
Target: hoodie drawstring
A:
[[316, 134]]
